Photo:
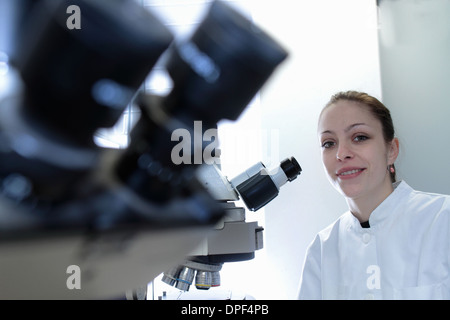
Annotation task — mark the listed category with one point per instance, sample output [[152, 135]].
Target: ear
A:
[[393, 150]]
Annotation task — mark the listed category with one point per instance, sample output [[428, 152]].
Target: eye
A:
[[360, 138], [327, 144]]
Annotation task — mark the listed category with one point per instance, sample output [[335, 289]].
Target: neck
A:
[[362, 207], [361, 211]]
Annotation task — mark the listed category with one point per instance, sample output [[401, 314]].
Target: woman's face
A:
[[354, 152]]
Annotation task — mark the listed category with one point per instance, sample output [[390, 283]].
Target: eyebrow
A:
[[350, 127]]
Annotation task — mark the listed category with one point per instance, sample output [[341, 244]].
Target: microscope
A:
[[234, 239], [118, 217]]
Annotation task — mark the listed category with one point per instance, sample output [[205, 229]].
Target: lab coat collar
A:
[[387, 209]]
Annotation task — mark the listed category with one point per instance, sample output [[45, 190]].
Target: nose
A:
[[343, 152]]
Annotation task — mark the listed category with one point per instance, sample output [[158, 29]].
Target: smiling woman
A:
[[358, 149], [393, 243]]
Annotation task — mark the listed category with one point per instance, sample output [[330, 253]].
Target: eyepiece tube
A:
[[259, 189]]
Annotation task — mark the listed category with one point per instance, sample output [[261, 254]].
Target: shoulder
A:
[[425, 201], [425, 211]]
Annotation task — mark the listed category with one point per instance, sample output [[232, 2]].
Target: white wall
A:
[[415, 69]]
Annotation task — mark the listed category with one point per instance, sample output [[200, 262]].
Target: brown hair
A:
[[377, 109]]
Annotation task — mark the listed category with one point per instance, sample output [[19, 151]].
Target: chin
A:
[[348, 191]]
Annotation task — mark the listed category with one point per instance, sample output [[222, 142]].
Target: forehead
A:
[[342, 114]]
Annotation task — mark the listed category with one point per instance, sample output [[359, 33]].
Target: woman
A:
[[394, 242]]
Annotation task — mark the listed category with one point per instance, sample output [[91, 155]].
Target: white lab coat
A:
[[405, 254]]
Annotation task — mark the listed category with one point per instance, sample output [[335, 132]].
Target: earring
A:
[[391, 168]]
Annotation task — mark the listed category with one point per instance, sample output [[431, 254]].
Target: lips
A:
[[348, 173]]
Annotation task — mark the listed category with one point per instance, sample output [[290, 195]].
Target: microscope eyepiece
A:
[[86, 76], [227, 53], [291, 168], [258, 186]]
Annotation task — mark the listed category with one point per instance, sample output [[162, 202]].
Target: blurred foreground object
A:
[[120, 216]]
